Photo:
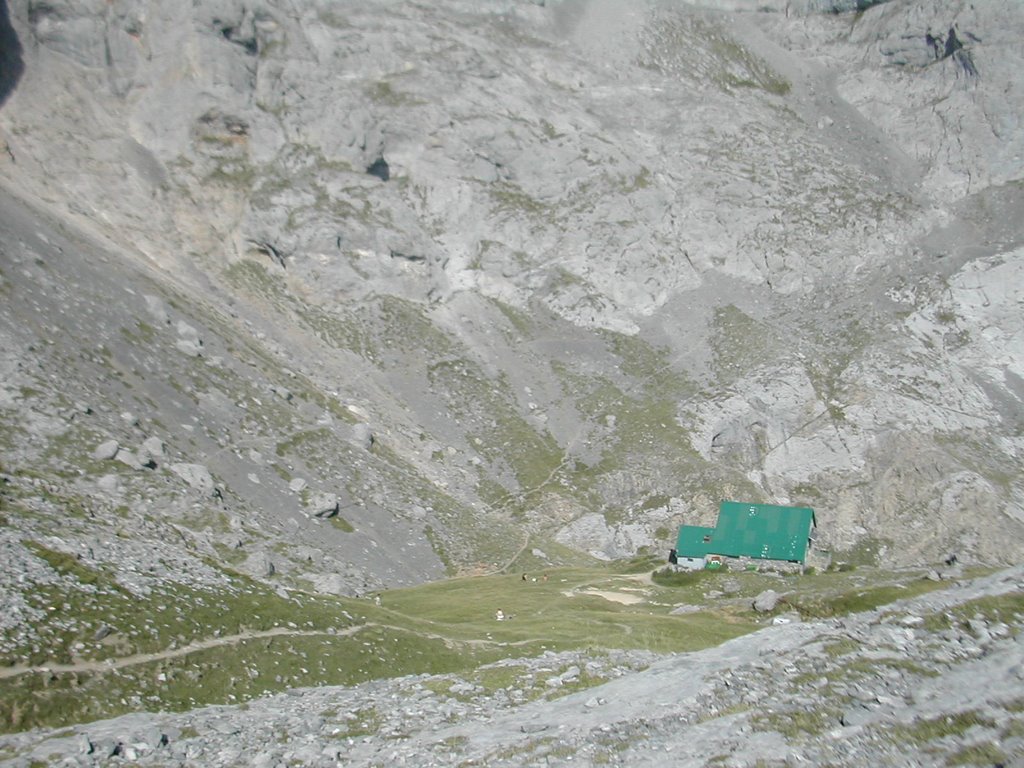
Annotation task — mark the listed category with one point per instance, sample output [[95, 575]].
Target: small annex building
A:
[[748, 530]]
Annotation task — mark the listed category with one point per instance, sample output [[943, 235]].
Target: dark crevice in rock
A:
[[953, 43], [11, 64], [953, 47], [213, 122], [848, 6], [275, 254], [380, 169], [413, 257], [232, 35]]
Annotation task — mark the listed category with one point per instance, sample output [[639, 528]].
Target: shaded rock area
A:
[[11, 62]]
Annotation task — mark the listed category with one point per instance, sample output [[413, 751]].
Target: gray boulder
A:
[[259, 564], [157, 309], [766, 601], [323, 505], [362, 436], [329, 584], [130, 459], [152, 449], [188, 342], [188, 347], [106, 451]]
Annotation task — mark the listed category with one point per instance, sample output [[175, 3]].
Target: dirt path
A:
[[108, 665], [172, 653], [614, 593], [509, 563], [616, 597]]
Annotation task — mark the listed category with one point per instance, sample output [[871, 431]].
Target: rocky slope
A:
[[580, 269], [345, 296]]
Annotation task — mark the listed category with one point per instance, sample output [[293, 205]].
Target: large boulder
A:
[[106, 450], [152, 450], [766, 601], [196, 476], [259, 564], [323, 505]]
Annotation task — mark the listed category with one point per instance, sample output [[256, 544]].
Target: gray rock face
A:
[[330, 584], [813, 416], [802, 215], [586, 268]]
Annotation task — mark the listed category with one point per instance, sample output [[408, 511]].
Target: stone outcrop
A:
[[864, 179], [569, 272]]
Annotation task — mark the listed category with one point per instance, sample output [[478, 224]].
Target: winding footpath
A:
[[172, 653]]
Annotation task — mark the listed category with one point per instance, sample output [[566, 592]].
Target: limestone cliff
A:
[[495, 273]]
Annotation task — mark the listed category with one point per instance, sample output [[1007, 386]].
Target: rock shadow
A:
[[11, 64]]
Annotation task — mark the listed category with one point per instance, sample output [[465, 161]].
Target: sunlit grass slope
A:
[[259, 641]]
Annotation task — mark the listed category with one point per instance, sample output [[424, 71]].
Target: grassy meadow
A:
[[186, 650]]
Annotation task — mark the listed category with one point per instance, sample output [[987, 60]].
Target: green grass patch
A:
[[295, 442], [363, 722], [820, 605], [863, 669], [520, 321], [639, 564], [509, 676], [1007, 608], [979, 754], [89, 616], [740, 343], [143, 335], [70, 452], [702, 50], [796, 725], [642, 427], [670, 577], [384, 93], [556, 614], [926, 730], [444, 628], [66, 564], [841, 647], [509, 198], [231, 673], [501, 433]]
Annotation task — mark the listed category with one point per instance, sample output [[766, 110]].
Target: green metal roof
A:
[[763, 531], [691, 542]]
